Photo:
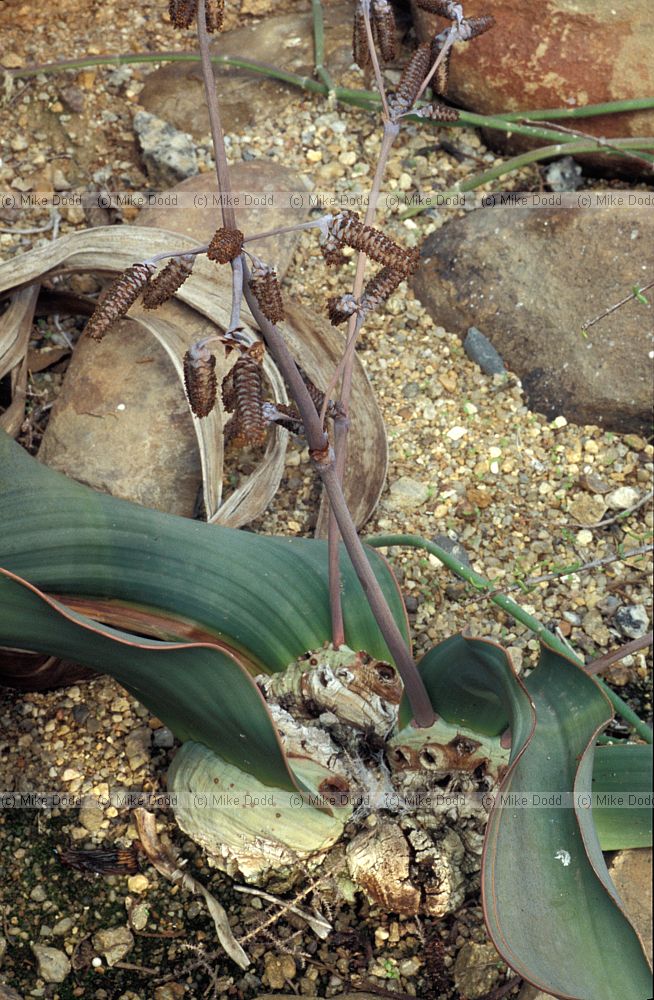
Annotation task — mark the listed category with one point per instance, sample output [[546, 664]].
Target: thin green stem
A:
[[589, 111], [523, 160], [506, 121], [513, 609], [319, 44]]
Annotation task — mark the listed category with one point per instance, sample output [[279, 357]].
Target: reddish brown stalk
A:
[[319, 447], [345, 371]]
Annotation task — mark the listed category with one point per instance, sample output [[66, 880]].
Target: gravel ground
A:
[[468, 461]]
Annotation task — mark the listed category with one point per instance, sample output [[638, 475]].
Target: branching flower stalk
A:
[[412, 85], [319, 446]]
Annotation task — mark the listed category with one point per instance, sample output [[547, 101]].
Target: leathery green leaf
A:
[[550, 906], [471, 683], [622, 786], [266, 596], [200, 691], [549, 902]]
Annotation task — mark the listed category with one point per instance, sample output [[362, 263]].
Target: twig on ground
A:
[[620, 516], [608, 659], [600, 140], [533, 581], [607, 312]]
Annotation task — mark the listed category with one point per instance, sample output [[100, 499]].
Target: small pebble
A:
[[632, 620], [53, 964], [622, 498], [480, 350]]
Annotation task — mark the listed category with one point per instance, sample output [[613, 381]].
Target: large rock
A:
[[176, 91], [194, 215], [121, 422], [631, 872], [529, 278], [561, 54]]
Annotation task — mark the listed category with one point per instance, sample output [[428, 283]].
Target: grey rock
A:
[[38, 894], [406, 492], [530, 278], [81, 713], [453, 547], [632, 620], [73, 98], [163, 739], [411, 390], [53, 964], [608, 605], [480, 350], [114, 943], [91, 814], [564, 175], [62, 926], [168, 154], [411, 604], [3, 947]]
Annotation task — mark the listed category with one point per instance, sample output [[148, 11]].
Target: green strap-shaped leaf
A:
[[550, 906], [198, 690], [267, 596], [469, 685], [622, 791]]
